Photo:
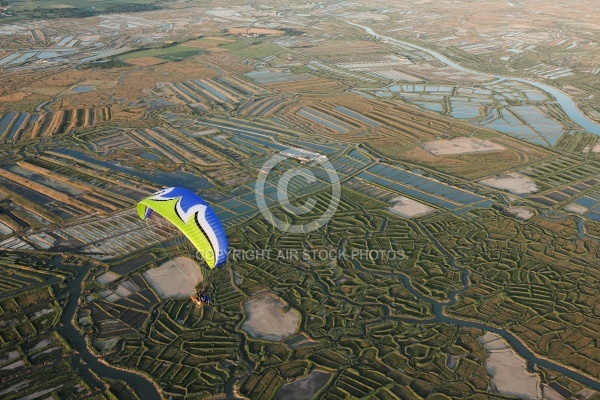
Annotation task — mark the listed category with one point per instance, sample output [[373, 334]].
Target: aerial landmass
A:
[[454, 147]]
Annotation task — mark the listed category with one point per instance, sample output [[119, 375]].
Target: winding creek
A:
[[565, 101], [518, 345], [90, 366], [440, 317], [532, 359], [85, 362]]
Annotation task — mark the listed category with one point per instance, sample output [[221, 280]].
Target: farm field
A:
[[170, 53]]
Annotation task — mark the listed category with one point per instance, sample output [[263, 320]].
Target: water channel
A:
[[87, 363], [565, 101], [177, 178], [440, 317], [532, 359]]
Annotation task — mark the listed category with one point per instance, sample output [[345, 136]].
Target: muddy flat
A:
[[508, 370], [513, 182], [521, 212], [576, 208], [461, 145], [408, 207], [175, 278], [107, 277], [266, 318], [304, 388]]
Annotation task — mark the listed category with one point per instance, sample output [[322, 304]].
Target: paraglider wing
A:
[[193, 217]]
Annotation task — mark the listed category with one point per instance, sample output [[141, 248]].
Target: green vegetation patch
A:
[[258, 50], [23, 10], [237, 45], [171, 53]]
